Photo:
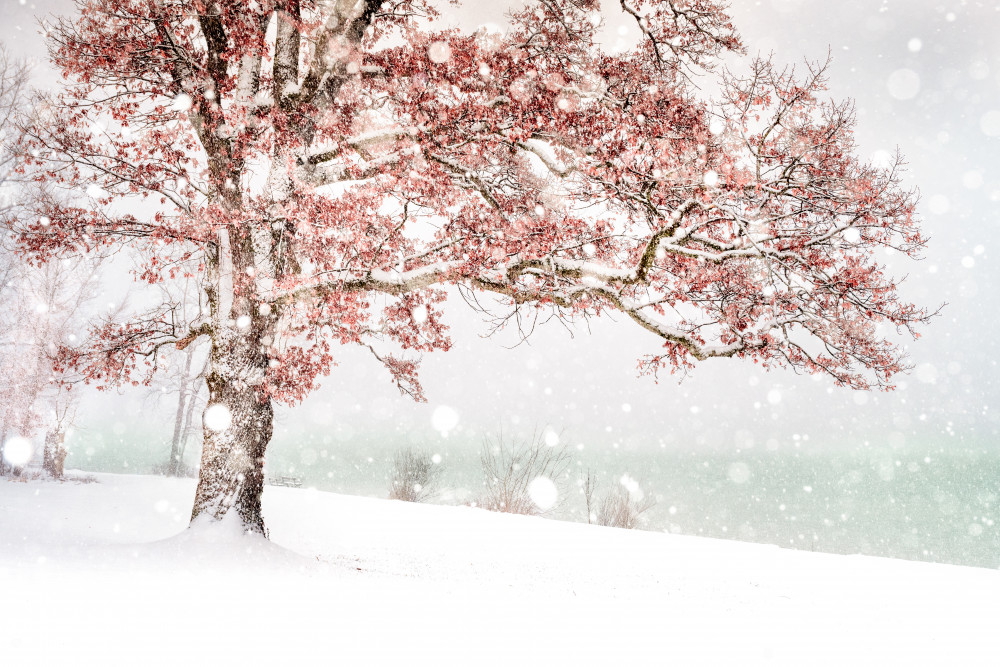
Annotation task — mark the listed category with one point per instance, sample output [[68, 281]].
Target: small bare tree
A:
[[511, 470], [414, 476]]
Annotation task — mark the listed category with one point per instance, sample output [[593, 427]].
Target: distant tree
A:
[[64, 404], [13, 90], [588, 487], [41, 303], [190, 384], [326, 167], [43, 312], [182, 372], [13, 86]]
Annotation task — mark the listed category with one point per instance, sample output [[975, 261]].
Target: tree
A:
[[40, 306], [13, 83], [41, 310], [185, 376], [190, 382], [328, 166], [13, 87], [64, 404]]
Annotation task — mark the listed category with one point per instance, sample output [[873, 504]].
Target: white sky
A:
[[926, 77]]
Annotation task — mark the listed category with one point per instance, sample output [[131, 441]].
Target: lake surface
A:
[[917, 503]]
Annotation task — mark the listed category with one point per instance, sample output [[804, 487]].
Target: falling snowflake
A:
[[218, 417], [439, 52], [543, 493], [444, 419], [18, 451], [903, 84], [182, 102], [989, 123]]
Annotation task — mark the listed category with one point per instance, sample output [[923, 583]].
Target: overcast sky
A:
[[925, 75]]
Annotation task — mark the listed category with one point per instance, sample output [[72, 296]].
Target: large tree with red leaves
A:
[[326, 167]]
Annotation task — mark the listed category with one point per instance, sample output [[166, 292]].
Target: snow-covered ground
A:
[[105, 573]]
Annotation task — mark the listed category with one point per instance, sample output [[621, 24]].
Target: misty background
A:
[[728, 450]]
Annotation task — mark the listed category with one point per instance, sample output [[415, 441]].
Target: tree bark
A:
[[54, 454], [231, 478]]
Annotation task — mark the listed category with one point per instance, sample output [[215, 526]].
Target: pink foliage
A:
[[345, 174]]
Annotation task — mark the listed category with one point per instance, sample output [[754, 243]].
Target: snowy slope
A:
[[104, 573]]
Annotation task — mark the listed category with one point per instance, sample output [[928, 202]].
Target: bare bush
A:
[[622, 508], [174, 469], [15, 474], [511, 470], [414, 477], [79, 479]]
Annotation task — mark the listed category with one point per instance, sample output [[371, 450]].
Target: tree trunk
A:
[[3, 447], [231, 478], [47, 451], [188, 418], [239, 417], [54, 454], [173, 466]]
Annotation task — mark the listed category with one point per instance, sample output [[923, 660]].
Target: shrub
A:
[[515, 472], [80, 479], [621, 507], [174, 469], [414, 476]]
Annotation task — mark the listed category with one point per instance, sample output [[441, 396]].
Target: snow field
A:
[[105, 573]]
